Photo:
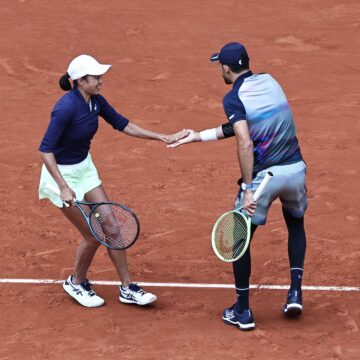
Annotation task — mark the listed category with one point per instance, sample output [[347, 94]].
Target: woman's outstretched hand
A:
[[170, 139], [191, 136]]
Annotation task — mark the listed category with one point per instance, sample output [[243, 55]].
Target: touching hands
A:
[[190, 136], [170, 139]]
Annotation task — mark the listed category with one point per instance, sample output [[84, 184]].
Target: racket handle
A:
[[56, 191], [259, 191]]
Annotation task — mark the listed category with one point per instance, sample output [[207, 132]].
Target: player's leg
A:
[[87, 247], [242, 273], [294, 201], [242, 267], [130, 293], [77, 284], [240, 314], [118, 257], [296, 248]]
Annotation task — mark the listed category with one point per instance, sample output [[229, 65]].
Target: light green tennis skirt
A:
[[81, 178]]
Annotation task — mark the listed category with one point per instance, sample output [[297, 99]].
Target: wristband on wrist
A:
[[208, 135], [246, 186]]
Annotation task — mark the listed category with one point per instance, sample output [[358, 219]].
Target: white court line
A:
[[186, 285]]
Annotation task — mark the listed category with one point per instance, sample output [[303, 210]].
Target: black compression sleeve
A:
[[227, 130]]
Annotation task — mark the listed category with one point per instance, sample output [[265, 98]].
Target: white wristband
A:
[[207, 135]]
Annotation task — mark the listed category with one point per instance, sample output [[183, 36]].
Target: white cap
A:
[[86, 65]]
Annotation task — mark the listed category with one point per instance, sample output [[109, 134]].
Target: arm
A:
[[233, 108], [221, 132], [136, 131], [246, 161], [121, 123], [60, 120], [66, 193]]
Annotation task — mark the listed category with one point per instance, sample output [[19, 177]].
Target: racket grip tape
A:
[[259, 191]]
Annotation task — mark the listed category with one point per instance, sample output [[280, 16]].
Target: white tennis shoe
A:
[[134, 294], [82, 293]]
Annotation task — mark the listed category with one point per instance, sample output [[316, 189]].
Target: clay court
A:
[[162, 79]]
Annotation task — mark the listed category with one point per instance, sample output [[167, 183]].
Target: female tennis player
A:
[[67, 164]]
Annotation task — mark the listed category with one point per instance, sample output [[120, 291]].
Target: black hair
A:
[[65, 84], [237, 68]]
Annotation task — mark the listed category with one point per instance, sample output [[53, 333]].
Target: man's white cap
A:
[[86, 65]]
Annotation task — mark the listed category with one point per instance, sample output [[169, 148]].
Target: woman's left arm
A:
[[135, 130], [121, 123]]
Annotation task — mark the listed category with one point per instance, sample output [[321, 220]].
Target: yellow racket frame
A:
[[257, 194], [215, 234]]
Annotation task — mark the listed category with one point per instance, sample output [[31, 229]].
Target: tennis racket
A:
[[113, 225], [231, 233]]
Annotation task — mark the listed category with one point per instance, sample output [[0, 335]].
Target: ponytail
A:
[[65, 83]]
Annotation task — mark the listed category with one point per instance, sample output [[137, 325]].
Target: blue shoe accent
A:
[[244, 321], [293, 306]]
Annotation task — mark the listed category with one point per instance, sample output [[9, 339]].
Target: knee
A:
[[291, 219], [91, 242]]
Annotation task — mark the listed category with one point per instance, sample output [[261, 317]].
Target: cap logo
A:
[[240, 62]]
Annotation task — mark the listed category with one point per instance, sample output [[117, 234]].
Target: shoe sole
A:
[[243, 327], [293, 310], [69, 292], [128, 301]]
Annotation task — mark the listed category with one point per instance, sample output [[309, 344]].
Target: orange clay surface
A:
[[162, 80]]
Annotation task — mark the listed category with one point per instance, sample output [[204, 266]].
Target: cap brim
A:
[[99, 69], [214, 57]]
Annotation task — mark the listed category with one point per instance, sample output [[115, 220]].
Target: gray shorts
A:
[[288, 184]]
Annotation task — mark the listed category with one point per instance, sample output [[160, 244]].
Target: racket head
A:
[[231, 235], [114, 225]]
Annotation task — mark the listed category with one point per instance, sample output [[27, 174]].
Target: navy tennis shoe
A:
[[293, 306], [244, 321]]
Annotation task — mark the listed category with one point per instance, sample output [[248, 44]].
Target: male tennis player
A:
[[261, 119]]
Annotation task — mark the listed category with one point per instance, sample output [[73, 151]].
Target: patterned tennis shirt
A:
[[260, 100]]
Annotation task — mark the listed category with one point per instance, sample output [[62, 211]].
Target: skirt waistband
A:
[[75, 166]]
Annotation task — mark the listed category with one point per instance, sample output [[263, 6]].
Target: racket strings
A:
[[231, 235], [114, 225]]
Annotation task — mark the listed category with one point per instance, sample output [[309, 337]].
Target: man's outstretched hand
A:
[[192, 136]]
